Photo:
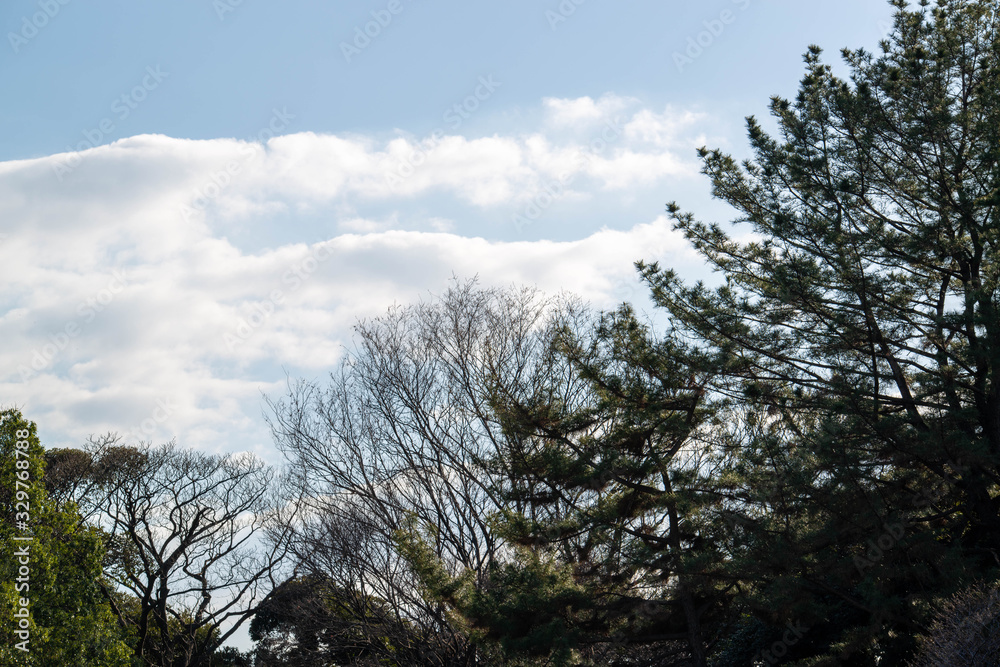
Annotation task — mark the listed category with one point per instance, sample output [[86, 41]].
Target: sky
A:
[[198, 199]]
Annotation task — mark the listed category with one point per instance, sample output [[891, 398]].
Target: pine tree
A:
[[861, 334], [612, 508]]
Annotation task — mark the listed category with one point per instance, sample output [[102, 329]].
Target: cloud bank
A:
[[142, 295]]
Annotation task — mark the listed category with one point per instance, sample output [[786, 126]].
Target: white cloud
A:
[[585, 110], [671, 128], [195, 325]]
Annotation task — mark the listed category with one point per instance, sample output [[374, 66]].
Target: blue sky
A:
[[202, 196], [229, 65]]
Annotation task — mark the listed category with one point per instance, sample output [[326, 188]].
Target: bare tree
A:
[[406, 437], [965, 630], [185, 533]]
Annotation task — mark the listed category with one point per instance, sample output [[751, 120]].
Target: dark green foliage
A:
[[530, 607], [231, 657], [814, 443], [617, 490], [859, 335], [306, 621], [611, 551]]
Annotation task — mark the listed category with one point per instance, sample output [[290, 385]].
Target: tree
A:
[[309, 621], [612, 508], [806, 463], [51, 606], [231, 657], [508, 480], [185, 534], [400, 451], [86, 477], [965, 631], [859, 335]]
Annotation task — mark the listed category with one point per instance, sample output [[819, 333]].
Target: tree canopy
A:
[[859, 333]]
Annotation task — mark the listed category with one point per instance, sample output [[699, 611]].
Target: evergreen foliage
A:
[[808, 458]]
